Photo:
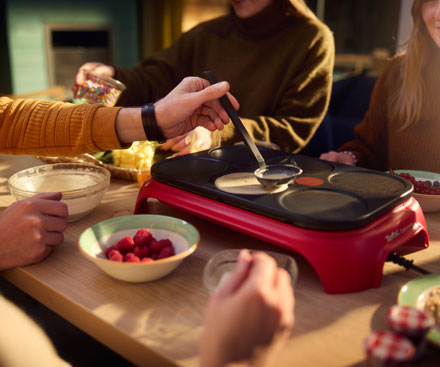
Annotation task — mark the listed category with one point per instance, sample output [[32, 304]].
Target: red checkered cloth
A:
[[409, 320], [385, 348]]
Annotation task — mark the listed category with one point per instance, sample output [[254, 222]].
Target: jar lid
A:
[[385, 348], [409, 320]]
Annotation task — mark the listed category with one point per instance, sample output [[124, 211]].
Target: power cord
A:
[[407, 264]]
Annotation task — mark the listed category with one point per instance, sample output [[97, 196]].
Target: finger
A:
[[222, 117], [286, 299], [55, 224], [53, 239], [183, 151], [54, 208], [262, 272], [181, 145], [233, 101], [238, 274], [49, 196], [45, 253], [214, 91], [171, 142]]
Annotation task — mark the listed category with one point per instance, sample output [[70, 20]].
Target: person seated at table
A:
[[29, 229], [277, 56], [401, 128], [248, 319]]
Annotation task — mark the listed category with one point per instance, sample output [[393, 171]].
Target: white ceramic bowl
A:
[[93, 242], [83, 185], [428, 203]]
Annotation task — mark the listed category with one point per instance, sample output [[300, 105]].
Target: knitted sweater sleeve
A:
[[154, 77], [48, 128], [304, 101], [371, 144]]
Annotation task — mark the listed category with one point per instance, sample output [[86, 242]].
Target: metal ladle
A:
[[273, 175]]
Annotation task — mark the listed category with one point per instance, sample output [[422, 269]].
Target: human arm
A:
[[30, 229], [371, 144], [250, 317], [49, 128], [23, 342]]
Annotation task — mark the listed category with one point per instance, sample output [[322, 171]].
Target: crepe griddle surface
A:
[[326, 196]]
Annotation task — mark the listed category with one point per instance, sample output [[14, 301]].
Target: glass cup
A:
[[219, 267], [97, 89]]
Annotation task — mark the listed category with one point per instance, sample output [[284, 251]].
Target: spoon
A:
[[270, 176], [238, 124]]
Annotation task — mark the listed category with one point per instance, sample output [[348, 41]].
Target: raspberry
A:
[[146, 260], [125, 245], [158, 246], [108, 249], [115, 255], [155, 247], [166, 252], [131, 258], [141, 251], [142, 237], [422, 187], [165, 243]]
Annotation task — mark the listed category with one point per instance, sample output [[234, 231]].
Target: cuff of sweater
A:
[[104, 133]]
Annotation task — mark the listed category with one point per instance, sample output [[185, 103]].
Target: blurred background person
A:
[[277, 56], [401, 127]]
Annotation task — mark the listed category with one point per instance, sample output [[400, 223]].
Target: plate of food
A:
[[426, 187], [424, 294]]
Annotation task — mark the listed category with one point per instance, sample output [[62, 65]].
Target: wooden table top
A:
[[160, 323]]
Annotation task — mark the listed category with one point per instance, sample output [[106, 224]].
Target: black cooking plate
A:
[[342, 198]]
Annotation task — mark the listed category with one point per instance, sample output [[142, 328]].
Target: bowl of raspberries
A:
[[426, 188], [139, 248]]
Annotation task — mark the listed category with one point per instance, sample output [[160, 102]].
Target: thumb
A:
[[237, 276], [212, 92], [49, 196]]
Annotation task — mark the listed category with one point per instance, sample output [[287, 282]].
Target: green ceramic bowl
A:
[[94, 240], [413, 293], [428, 203]]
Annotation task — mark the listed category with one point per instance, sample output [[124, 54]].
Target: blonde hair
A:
[[406, 104]]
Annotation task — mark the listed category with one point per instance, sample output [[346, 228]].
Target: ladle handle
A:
[[237, 123]]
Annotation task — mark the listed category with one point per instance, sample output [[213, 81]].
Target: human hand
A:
[[338, 158], [97, 67], [250, 317], [194, 102], [193, 141], [30, 228]]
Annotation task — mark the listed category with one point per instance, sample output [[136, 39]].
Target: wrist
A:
[[149, 123], [350, 154]]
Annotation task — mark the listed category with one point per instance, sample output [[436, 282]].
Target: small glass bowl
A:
[[223, 262], [98, 89]]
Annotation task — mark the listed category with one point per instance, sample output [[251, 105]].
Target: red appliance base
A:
[[345, 261]]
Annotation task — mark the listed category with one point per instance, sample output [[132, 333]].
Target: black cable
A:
[[407, 264]]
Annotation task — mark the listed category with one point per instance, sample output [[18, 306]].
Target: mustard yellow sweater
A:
[[381, 144], [48, 128]]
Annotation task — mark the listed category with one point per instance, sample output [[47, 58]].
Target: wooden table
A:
[[160, 323]]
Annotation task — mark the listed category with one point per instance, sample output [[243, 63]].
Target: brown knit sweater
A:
[[380, 144], [47, 128], [280, 70]]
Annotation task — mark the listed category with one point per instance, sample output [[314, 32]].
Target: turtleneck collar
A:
[[267, 22]]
